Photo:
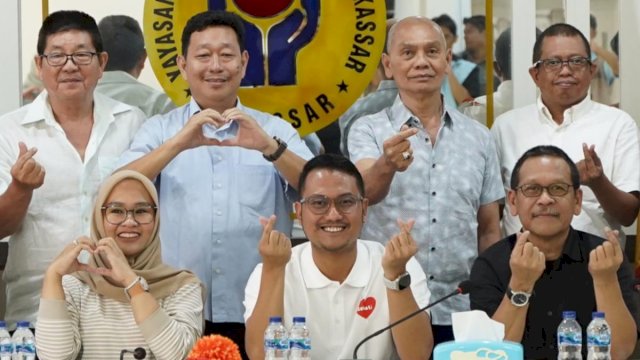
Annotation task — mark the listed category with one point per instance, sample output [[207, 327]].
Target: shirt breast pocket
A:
[[257, 187]]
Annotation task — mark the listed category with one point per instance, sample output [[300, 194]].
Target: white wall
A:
[[9, 53]]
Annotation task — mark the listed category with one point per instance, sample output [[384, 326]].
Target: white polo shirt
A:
[[60, 209], [613, 132], [338, 315]]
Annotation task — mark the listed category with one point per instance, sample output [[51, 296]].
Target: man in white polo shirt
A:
[[602, 140], [345, 287]]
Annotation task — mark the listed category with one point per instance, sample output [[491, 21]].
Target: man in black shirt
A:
[[527, 279]]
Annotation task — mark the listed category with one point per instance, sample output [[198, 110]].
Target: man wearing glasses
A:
[[54, 153], [602, 140], [345, 287], [528, 279]]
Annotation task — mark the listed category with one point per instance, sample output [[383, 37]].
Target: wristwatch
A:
[[137, 286], [518, 298], [282, 146], [402, 282]]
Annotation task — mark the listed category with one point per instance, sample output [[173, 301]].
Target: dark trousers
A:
[[234, 331], [441, 333]]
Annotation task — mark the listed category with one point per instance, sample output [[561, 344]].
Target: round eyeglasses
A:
[[142, 214], [535, 190], [320, 204], [78, 58]]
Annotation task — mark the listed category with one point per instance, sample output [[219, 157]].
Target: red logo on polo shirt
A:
[[366, 306]]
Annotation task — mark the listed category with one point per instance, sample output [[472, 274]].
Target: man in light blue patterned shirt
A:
[[219, 166], [423, 160]]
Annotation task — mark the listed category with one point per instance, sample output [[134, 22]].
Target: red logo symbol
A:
[[366, 307], [263, 9]]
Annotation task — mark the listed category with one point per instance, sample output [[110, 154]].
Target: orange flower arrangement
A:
[[215, 347]]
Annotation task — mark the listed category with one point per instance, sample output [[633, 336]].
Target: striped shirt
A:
[[87, 325]]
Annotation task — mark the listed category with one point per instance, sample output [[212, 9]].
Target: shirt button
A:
[[431, 277], [219, 158], [218, 212], [433, 166], [218, 186], [433, 193], [433, 220], [218, 271], [433, 249], [218, 241]]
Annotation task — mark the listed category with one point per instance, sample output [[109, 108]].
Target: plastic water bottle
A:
[[276, 341], [598, 338], [569, 337], [24, 342], [6, 345], [299, 340]]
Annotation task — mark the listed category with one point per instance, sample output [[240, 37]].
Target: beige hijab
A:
[[163, 280]]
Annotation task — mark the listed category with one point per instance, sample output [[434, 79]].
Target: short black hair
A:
[[66, 20], [559, 29], [477, 21], [332, 162], [503, 53], [207, 19], [123, 41], [545, 150], [445, 21]]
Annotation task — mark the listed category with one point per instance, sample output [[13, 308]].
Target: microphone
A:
[[138, 353], [463, 288]]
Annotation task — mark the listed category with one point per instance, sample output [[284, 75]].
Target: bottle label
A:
[[279, 344], [599, 340], [571, 339], [300, 344]]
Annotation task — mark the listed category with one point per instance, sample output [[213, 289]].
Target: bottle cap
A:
[[568, 314], [275, 319], [3, 324], [24, 324], [299, 319], [598, 314]]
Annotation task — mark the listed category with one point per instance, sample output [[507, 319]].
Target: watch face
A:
[[404, 281], [519, 299]]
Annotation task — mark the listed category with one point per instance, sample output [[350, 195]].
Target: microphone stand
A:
[[459, 290]]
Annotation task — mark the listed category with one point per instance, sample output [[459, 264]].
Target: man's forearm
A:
[[623, 328], [270, 302], [377, 180], [290, 165], [623, 206], [412, 338], [514, 319], [13, 208], [151, 164]]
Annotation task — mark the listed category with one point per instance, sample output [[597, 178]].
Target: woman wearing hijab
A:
[[125, 297]]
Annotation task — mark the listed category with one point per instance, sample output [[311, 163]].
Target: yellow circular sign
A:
[[309, 60]]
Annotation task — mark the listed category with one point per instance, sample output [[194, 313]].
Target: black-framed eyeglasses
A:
[[142, 214], [78, 58], [535, 190], [320, 204], [576, 63]]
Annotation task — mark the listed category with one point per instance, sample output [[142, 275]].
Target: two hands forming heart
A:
[[116, 267], [231, 128]]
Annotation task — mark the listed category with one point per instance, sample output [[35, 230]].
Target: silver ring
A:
[[406, 155]]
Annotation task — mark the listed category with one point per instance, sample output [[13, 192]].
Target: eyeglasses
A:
[[78, 58], [553, 65], [142, 214], [320, 204], [535, 190]]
